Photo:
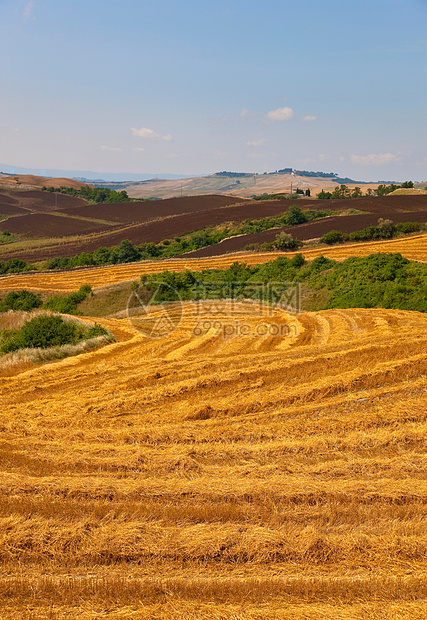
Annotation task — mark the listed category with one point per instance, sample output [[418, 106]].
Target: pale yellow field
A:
[[239, 477], [413, 248]]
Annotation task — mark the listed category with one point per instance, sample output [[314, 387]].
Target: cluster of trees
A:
[[378, 280], [383, 190], [93, 195], [311, 173], [14, 265], [342, 191], [27, 301], [238, 279], [45, 331], [298, 192], [283, 242], [385, 229]]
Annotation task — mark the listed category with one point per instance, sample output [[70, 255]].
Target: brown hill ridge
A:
[[29, 181]]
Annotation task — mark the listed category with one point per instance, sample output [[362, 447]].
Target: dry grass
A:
[[17, 361], [225, 478]]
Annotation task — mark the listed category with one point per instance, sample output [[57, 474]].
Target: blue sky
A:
[[195, 87]]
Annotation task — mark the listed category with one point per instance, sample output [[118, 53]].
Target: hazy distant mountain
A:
[[88, 175]]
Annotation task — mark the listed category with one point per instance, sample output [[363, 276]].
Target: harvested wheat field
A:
[[250, 464], [413, 248]]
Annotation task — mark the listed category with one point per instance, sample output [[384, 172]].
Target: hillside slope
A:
[[245, 185], [134, 486], [413, 248]]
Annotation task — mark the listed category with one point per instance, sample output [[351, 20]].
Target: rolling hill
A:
[[249, 463], [134, 486]]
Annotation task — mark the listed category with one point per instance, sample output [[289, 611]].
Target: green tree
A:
[[295, 216], [332, 237], [285, 241], [127, 252]]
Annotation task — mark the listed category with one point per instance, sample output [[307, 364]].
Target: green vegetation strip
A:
[[378, 280], [27, 301], [92, 195]]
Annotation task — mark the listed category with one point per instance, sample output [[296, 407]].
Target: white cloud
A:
[[244, 113], [260, 142], [309, 119], [281, 114], [110, 148], [144, 132], [139, 148], [323, 157], [28, 9], [305, 161], [374, 159]]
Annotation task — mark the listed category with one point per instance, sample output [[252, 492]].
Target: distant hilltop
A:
[[239, 184], [301, 173]]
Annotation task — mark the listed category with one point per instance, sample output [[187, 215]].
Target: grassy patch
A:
[[33, 337], [68, 304], [108, 301]]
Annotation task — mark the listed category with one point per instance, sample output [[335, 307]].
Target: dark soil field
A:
[[304, 232], [134, 212], [10, 209], [140, 222], [45, 225], [111, 234]]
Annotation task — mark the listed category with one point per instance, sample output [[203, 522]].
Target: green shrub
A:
[[47, 330], [285, 241], [331, 237], [410, 227], [20, 300], [41, 332], [295, 215], [68, 304], [95, 331]]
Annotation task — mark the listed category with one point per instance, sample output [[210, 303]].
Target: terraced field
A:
[[275, 474]]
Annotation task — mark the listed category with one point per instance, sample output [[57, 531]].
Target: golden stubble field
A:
[[413, 248], [275, 471]]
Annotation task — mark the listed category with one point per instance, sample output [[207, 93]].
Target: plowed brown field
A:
[[305, 232], [107, 225], [47, 225], [261, 476], [127, 213]]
